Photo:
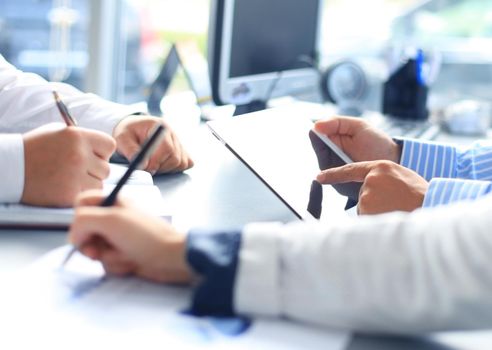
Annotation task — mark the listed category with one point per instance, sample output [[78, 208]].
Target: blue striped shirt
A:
[[455, 174]]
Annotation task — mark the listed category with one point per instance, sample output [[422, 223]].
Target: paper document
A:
[[46, 307], [139, 189]]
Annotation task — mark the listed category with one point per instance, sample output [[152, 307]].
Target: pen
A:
[[144, 152], [67, 117]]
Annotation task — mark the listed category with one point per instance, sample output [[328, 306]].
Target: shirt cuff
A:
[[12, 157], [429, 159], [96, 113], [259, 271], [446, 191], [213, 256]]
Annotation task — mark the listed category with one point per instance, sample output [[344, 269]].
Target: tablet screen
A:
[[275, 145]]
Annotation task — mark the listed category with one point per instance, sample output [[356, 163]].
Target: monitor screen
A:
[[258, 49], [272, 35]]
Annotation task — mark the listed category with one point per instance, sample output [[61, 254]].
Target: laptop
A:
[[275, 145]]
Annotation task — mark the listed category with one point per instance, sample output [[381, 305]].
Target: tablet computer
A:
[[276, 146]]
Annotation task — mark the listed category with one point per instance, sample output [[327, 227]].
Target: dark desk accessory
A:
[[405, 92]]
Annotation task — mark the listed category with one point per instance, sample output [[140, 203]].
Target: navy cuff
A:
[[213, 255]]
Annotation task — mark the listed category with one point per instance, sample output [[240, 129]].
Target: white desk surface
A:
[[218, 191]]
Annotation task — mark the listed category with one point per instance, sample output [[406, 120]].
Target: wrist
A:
[[176, 268]]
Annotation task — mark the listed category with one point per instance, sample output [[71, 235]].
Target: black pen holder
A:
[[405, 95]]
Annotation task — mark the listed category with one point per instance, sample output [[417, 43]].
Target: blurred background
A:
[[116, 47]]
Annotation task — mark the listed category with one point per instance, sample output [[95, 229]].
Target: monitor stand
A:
[[253, 106]]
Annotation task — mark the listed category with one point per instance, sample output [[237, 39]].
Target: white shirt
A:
[[26, 102], [404, 273]]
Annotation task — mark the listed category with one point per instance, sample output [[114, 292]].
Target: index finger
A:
[[90, 222], [354, 172], [343, 126]]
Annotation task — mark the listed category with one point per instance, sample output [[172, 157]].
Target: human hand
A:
[[169, 156], [61, 163], [386, 186], [359, 140], [134, 243]]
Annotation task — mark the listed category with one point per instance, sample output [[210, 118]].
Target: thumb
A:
[[355, 172], [339, 126]]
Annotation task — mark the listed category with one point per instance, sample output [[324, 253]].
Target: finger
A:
[[116, 264], [341, 126], [98, 168], [103, 145], [90, 251], [355, 172], [165, 156], [95, 247], [90, 198], [187, 162], [119, 270], [128, 146], [175, 160], [91, 182], [89, 222]]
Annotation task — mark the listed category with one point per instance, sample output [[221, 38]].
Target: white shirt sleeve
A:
[[26, 102], [12, 156], [405, 273]]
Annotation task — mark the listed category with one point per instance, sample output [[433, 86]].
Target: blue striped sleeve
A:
[[446, 191], [429, 159], [213, 255], [475, 163]]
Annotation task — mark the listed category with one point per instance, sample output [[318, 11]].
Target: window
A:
[[53, 38], [46, 37], [456, 33], [151, 26]]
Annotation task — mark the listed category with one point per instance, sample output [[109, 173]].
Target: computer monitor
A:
[[260, 49]]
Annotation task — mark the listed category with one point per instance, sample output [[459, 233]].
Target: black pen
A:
[[67, 117], [145, 151]]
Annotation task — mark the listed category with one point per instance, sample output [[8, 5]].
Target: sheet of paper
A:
[[138, 177], [79, 308], [140, 190]]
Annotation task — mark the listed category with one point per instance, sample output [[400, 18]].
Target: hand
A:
[[133, 243], [359, 140], [169, 156], [386, 186], [61, 163]]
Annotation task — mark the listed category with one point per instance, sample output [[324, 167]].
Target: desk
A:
[[218, 191]]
